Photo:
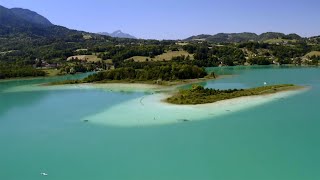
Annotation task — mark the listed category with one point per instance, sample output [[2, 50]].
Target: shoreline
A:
[[163, 113], [117, 87], [38, 77], [292, 91], [188, 97], [142, 85], [151, 109], [23, 78], [161, 85], [271, 65], [127, 86]]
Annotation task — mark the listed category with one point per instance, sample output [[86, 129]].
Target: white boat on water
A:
[[44, 174]]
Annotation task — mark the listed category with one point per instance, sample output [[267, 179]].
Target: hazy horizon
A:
[[179, 19]]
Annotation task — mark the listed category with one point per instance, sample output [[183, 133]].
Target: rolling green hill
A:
[[243, 37]]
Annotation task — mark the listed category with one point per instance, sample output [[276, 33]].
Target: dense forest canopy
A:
[[167, 72], [14, 71]]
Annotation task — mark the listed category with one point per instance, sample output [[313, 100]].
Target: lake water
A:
[[43, 130]]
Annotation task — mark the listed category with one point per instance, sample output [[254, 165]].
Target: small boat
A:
[[184, 120], [44, 174]]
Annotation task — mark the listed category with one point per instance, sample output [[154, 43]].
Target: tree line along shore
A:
[[155, 73], [35, 57], [179, 73]]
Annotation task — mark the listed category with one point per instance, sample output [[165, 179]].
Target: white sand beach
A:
[[152, 110], [129, 87]]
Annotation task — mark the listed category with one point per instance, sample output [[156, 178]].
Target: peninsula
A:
[[174, 74], [200, 95], [165, 74]]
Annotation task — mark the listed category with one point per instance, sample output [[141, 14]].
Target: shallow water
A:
[[42, 130]]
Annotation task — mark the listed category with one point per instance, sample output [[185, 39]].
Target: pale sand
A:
[[129, 87], [151, 110], [107, 86]]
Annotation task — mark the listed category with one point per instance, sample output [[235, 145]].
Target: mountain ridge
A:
[[31, 16], [24, 23], [17, 21], [242, 37], [19, 16]]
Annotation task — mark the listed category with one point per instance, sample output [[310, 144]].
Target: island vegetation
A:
[[200, 95], [155, 73], [162, 73]]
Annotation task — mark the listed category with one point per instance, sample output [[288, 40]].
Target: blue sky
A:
[[178, 19]]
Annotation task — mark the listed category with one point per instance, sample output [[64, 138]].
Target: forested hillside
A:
[[30, 42]]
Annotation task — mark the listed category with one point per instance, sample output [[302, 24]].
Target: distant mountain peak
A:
[[117, 31], [118, 34]]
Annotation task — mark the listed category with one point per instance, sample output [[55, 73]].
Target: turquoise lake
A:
[[42, 130]]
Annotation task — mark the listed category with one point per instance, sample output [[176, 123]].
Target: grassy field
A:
[[163, 57], [313, 53], [274, 41], [87, 36], [81, 50], [168, 55], [182, 43], [52, 72], [90, 58], [109, 61]]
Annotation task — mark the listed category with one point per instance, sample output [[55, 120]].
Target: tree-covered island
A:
[[151, 73], [200, 95]]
